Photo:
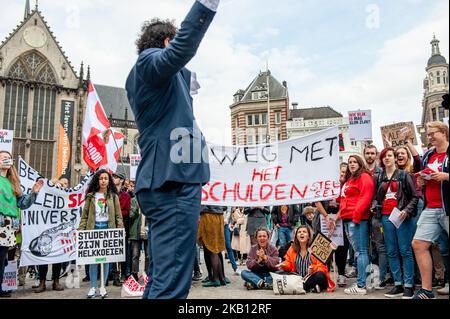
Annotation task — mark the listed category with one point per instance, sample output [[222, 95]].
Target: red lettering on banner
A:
[[266, 174], [245, 199], [211, 192], [279, 190], [231, 191], [76, 200], [205, 194], [261, 192], [295, 189], [250, 190]]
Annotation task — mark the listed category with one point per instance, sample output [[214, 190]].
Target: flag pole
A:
[[117, 148]]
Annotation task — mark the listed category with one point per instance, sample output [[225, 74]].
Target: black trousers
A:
[[43, 270], [3, 261], [319, 278], [341, 256]]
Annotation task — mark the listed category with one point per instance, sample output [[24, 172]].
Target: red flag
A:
[[99, 149]]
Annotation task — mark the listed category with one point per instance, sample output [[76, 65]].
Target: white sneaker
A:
[[342, 281], [37, 282], [352, 273], [92, 293], [103, 293], [443, 291], [355, 290]]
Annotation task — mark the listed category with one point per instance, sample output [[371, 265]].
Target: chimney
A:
[[285, 84], [295, 106]]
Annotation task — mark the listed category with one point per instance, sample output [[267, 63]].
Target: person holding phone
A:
[[11, 200]]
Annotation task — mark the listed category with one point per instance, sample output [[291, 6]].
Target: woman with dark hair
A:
[[299, 260], [395, 190], [11, 200], [101, 211], [355, 202]]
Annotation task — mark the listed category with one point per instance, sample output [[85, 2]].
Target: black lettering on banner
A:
[[264, 154], [226, 156], [247, 154], [293, 148], [331, 139], [313, 151]]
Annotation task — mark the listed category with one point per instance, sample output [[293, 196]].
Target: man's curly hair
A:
[[153, 34]]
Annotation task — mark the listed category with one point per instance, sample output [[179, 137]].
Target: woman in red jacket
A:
[[355, 201], [300, 261]]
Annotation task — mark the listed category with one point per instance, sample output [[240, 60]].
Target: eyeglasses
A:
[[431, 134]]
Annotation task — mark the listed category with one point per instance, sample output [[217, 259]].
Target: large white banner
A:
[[360, 128], [6, 140], [49, 226], [297, 171]]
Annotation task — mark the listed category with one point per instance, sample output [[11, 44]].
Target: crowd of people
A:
[[260, 240]]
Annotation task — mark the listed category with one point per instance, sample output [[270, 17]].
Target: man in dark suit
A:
[[174, 162]]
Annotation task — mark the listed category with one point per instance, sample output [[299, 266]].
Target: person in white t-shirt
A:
[[101, 211]]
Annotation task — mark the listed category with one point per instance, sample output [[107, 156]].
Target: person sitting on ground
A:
[[262, 259], [299, 260]]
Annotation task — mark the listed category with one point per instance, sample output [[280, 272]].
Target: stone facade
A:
[[435, 86], [250, 109]]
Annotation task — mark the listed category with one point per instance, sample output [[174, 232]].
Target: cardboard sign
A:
[[360, 128], [10, 277], [398, 134], [100, 246], [6, 140], [322, 248], [338, 234]]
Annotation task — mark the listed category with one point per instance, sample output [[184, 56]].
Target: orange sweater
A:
[[289, 266]]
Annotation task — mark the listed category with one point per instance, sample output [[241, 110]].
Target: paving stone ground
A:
[[233, 291]]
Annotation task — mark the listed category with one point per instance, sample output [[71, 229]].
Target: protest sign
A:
[[49, 226], [322, 248], [291, 172], [398, 134], [360, 128], [338, 234], [10, 277], [100, 246], [135, 159], [6, 140]]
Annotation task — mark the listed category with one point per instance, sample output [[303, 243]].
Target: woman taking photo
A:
[[355, 202], [101, 211], [300, 261], [11, 200], [395, 190]]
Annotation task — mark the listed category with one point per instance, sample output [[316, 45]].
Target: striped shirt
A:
[[302, 264]]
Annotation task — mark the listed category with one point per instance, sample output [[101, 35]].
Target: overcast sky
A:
[[348, 54]]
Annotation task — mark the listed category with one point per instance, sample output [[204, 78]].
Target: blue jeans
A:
[[398, 243], [229, 249], [93, 269], [255, 277], [284, 235], [358, 236]]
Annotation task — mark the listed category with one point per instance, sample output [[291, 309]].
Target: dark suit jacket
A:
[[158, 89]]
